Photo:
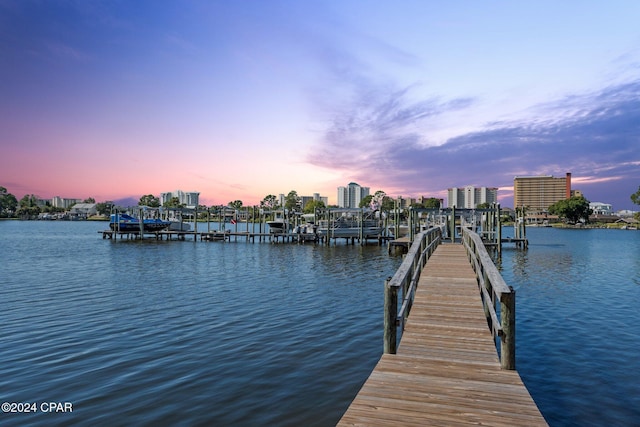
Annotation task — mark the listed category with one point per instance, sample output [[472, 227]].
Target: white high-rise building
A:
[[189, 199], [470, 197], [59, 202], [351, 195]]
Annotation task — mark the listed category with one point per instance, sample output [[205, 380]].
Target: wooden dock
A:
[[400, 245], [182, 235], [446, 371], [228, 235]]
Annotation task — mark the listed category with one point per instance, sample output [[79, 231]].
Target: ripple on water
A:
[[189, 333], [577, 325]]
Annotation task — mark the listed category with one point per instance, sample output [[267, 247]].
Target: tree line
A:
[[573, 210], [30, 205], [293, 203]]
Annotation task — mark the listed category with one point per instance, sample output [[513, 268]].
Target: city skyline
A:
[[244, 99]]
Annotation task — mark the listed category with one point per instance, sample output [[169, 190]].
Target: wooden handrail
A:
[[493, 289], [406, 279]]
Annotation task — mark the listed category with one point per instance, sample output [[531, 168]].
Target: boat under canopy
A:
[[127, 223]]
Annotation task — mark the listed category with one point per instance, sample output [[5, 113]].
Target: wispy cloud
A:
[[596, 136], [376, 123], [65, 51]]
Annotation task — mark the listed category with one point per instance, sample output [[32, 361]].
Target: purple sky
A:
[[242, 99]]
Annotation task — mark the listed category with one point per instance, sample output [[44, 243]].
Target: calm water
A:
[[578, 324], [197, 333]]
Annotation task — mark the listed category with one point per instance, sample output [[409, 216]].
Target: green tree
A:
[[366, 201], [485, 205], [381, 201], [313, 205], [269, 202], [236, 204], [89, 200], [51, 209], [104, 208], [431, 203], [8, 203], [203, 212], [573, 209], [28, 200], [174, 202], [388, 204], [149, 200], [28, 207], [292, 201], [635, 197]]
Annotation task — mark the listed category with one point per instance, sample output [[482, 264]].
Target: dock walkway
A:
[[446, 370]]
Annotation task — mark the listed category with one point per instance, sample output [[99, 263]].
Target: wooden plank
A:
[[446, 370]]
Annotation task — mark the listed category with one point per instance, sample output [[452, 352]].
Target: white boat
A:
[[279, 224], [216, 235], [305, 233], [123, 222], [177, 220], [179, 226], [350, 225]]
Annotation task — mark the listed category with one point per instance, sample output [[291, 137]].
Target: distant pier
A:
[[397, 229]]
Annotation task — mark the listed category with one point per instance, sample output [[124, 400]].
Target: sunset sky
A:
[[241, 99]]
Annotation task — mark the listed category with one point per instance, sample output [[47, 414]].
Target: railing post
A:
[[498, 228], [453, 224], [488, 287], [508, 320], [390, 317]]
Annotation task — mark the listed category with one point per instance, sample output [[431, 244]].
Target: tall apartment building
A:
[[404, 202], [537, 193], [470, 197], [351, 195], [316, 197], [59, 202], [189, 199]]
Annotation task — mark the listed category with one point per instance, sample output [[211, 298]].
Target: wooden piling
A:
[[390, 317], [508, 338]]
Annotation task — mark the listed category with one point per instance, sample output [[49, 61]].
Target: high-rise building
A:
[[537, 193], [470, 197], [59, 202], [351, 195], [189, 199], [315, 198]]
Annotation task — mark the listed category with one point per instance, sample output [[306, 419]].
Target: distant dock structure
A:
[[486, 222], [396, 228]]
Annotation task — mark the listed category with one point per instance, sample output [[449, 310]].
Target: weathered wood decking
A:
[[446, 371]]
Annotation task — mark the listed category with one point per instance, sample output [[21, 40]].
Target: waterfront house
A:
[[83, 210]]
